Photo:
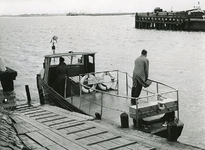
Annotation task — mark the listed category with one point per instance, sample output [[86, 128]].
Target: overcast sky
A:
[[93, 6]]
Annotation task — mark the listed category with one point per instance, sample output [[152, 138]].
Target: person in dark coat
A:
[[140, 75], [61, 74]]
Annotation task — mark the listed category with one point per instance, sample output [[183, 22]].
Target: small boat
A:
[[106, 95]]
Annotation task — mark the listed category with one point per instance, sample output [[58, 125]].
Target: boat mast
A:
[[53, 40]]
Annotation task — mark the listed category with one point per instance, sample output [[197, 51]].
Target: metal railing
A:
[[120, 93]]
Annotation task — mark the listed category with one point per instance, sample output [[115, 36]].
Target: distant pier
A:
[[176, 21]]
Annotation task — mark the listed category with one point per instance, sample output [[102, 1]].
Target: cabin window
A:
[[90, 59], [69, 60], [74, 60]]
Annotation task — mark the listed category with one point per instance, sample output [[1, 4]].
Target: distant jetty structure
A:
[[190, 20]]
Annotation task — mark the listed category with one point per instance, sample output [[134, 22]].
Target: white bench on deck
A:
[[149, 109]]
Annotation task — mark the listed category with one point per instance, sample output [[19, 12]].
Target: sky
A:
[[15, 7]]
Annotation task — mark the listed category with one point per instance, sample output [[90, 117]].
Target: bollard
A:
[[172, 131], [28, 95], [98, 116], [7, 85], [124, 120]]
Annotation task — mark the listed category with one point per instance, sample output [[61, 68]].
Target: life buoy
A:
[[85, 89], [161, 105], [106, 87]]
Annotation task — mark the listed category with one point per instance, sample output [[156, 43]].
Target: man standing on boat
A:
[[140, 75], [61, 73]]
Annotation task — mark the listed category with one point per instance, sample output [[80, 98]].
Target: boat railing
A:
[[107, 93], [119, 93]]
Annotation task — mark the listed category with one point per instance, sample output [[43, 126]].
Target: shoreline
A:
[[9, 138], [68, 14]]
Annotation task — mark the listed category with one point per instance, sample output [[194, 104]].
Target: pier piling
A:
[[28, 94]]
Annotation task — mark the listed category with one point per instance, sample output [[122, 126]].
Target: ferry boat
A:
[[106, 95]]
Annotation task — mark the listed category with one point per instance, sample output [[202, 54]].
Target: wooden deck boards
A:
[[49, 127]]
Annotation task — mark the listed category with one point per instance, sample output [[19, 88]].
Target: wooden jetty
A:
[[46, 127]]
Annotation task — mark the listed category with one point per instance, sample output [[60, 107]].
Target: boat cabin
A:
[[77, 63]]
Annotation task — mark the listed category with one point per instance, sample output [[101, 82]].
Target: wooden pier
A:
[[173, 22], [50, 127], [46, 127]]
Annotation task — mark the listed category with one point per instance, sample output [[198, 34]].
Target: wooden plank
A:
[[39, 138], [55, 147], [76, 128], [117, 141], [20, 130], [94, 139], [71, 125], [33, 122], [109, 139], [107, 135], [108, 144], [35, 112], [62, 122], [80, 130], [95, 130], [46, 117], [29, 142], [28, 110], [52, 119], [25, 108], [82, 142], [83, 137], [81, 127], [41, 148], [61, 140], [121, 141], [15, 118], [71, 115], [43, 114], [28, 126], [138, 146], [123, 145]]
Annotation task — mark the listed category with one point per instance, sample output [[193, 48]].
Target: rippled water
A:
[[176, 58]]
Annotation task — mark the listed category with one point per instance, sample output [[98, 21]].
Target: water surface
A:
[[176, 58]]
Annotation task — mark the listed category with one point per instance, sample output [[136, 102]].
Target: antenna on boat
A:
[[53, 40]]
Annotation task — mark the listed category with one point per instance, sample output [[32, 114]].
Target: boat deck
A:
[[114, 106]]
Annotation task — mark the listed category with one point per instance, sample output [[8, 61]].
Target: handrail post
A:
[[117, 81], [71, 91], [101, 104], [177, 104], [80, 92], [126, 83], [65, 88], [136, 112], [157, 89]]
